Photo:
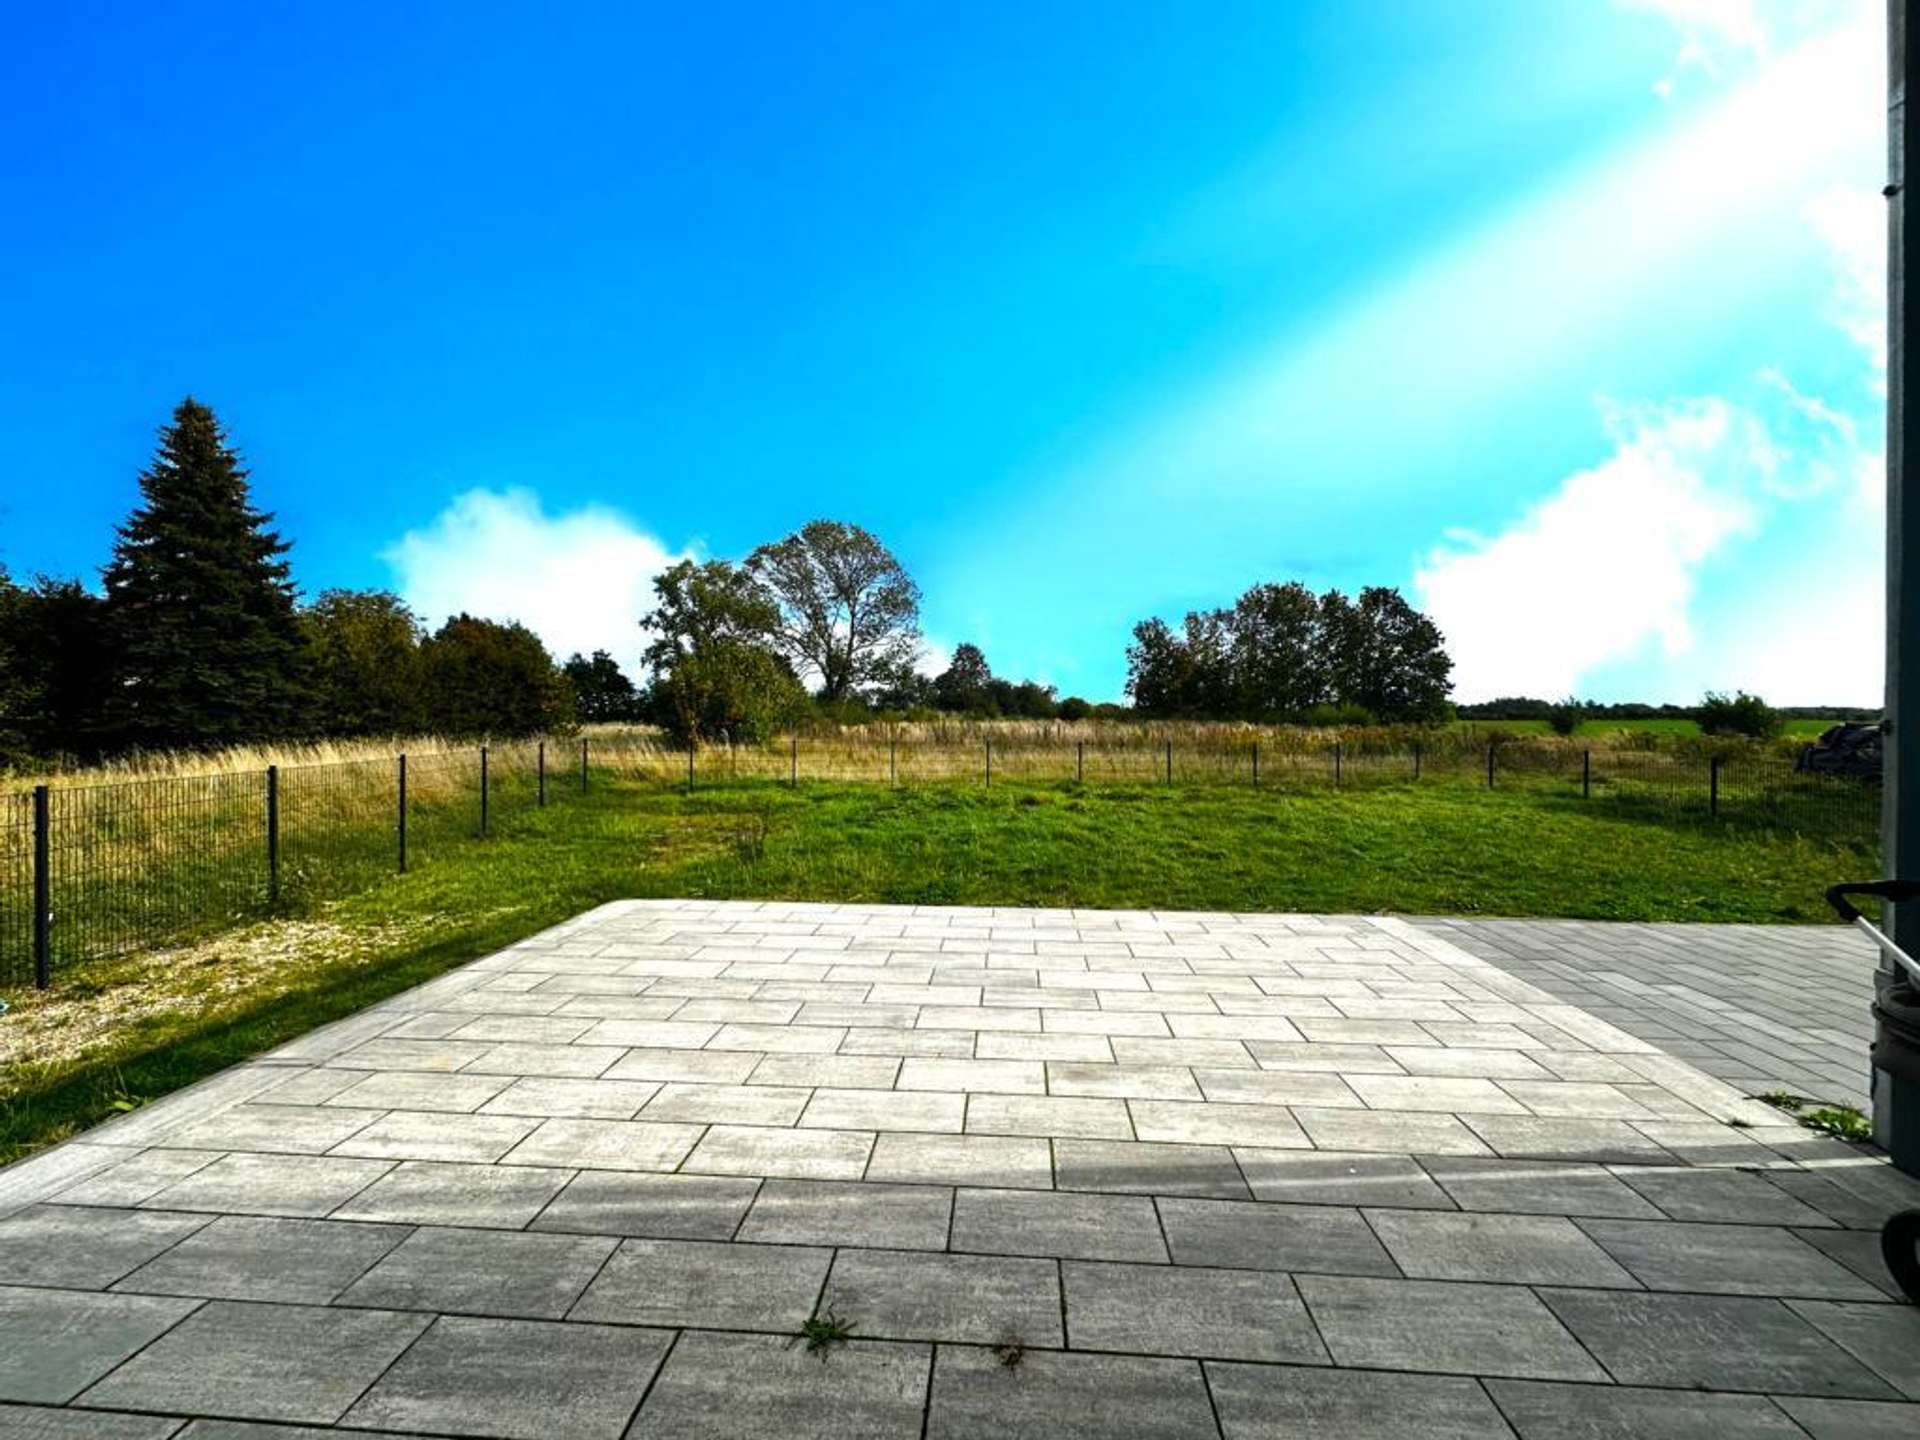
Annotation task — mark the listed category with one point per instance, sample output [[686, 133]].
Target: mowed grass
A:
[[150, 1025]]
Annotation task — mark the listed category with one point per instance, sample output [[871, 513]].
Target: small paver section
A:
[[1178, 1310], [1070, 1226], [516, 1379], [663, 1207], [1269, 1402], [1429, 1325], [482, 1272], [827, 1212], [246, 1257], [1067, 1396], [719, 1287], [58, 1342], [748, 1387], [980, 1299], [82, 1248], [261, 1362]]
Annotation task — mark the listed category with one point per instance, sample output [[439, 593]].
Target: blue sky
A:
[[1562, 317]]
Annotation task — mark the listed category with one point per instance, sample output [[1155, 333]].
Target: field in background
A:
[[114, 1033]]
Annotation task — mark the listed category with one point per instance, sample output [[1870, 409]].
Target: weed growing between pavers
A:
[[1842, 1122], [1010, 1352], [823, 1332]]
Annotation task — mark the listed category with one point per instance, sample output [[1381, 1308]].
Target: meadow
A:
[[114, 1032]]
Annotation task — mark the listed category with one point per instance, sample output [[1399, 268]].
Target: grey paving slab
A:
[[1515, 1249], [421, 1135], [1394, 1132], [1724, 1259], [605, 1144], [1725, 1196], [272, 1185], [35, 1422], [1004, 1161], [700, 1284], [1884, 1338], [1711, 1342], [1184, 1310], [1336, 1177], [1149, 1169], [261, 1362], [748, 1387], [759, 1104], [838, 1072], [1127, 1082], [1852, 1419], [413, 1090], [664, 1207], [481, 1272], [979, 1299], [136, 1178], [1262, 1236], [653, 1062], [283, 1129], [1559, 1138], [518, 1379], [84, 1247], [573, 1099], [828, 1212], [1439, 1326], [252, 1430], [1538, 1187], [802, 1154], [1066, 1396], [427, 1192], [1048, 1115], [58, 1342], [1274, 1402], [937, 1111], [247, 1257], [1543, 1410], [1070, 1226]]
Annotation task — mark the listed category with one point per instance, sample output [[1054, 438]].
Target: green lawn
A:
[[1428, 849]]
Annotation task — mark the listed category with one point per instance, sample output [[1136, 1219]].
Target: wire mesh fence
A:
[[94, 872]]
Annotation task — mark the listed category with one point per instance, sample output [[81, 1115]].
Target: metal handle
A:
[[1898, 891]]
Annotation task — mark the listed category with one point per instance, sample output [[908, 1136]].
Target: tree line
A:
[[197, 638]]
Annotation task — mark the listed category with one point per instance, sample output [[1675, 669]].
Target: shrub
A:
[[1564, 718], [1074, 708], [1738, 714]]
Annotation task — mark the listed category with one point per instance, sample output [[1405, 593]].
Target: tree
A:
[[207, 644], [364, 650], [1739, 714], [1393, 661], [601, 690], [55, 660], [848, 611], [715, 671], [480, 677], [962, 686], [1279, 654]]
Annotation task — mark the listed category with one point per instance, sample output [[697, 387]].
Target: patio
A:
[[1062, 1173]]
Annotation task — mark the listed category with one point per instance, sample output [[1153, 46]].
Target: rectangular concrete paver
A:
[[1053, 1170]]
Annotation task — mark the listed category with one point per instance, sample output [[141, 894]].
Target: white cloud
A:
[[580, 580], [1853, 225], [1603, 566]]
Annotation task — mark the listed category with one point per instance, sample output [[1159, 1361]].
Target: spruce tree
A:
[[208, 647]]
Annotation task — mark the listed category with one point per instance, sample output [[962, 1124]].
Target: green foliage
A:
[[1843, 1122], [1564, 718], [1738, 714], [601, 690], [1074, 708], [366, 668], [208, 649], [716, 673], [962, 687], [480, 677], [823, 1332], [1282, 654], [848, 611]]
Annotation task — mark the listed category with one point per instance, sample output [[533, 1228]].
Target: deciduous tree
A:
[[848, 610]]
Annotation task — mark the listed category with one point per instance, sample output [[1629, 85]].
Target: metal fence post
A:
[[1256, 764], [1079, 761], [989, 745], [893, 762], [42, 893], [1169, 762], [1416, 759], [793, 761], [402, 816], [1489, 764], [583, 767], [1586, 774], [1713, 785], [540, 763], [1336, 762], [692, 745], [273, 835], [483, 790]]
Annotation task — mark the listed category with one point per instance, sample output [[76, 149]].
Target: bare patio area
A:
[[1057, 1173]]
